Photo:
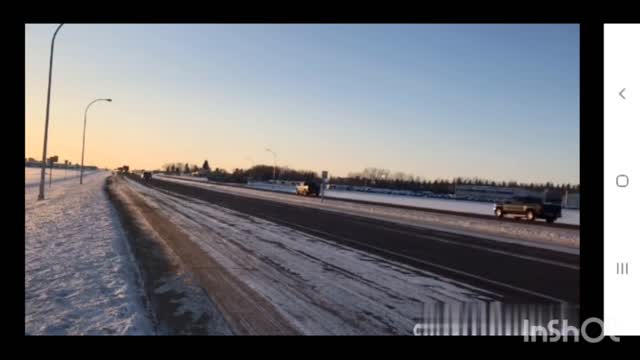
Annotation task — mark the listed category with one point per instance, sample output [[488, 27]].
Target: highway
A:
[[513, 220], [521, 274]]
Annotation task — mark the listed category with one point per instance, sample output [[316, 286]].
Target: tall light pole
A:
[[274, 162], [253, 164], [83, 133], [46, 121]]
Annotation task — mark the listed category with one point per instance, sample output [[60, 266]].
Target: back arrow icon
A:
[[621, 91]]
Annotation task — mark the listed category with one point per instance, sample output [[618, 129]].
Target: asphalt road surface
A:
[[516, 219], [521, 274]]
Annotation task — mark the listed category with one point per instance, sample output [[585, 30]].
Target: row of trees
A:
[[179, 168], [265, 173], [371, 177], [383, 178], [260, 173], [255, 173]]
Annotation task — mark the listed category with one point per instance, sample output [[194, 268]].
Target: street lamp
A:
[[249, 172], [83, 133], [46, 121], [274, 162]]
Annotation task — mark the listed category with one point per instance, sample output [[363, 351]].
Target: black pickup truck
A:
[[529, 207]]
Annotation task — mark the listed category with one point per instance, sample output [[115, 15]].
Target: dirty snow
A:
[[179, 301], [320, 286], [80, 278]]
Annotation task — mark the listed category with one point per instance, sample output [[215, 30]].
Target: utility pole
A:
[[274, 163], [46, 122]]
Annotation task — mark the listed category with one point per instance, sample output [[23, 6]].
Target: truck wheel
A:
[[530, 215], [550, 220], [499, 213]]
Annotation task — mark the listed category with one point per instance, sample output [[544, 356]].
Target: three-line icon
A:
[[622, 268]]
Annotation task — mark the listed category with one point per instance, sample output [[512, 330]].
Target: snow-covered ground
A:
[[319, 286], [543, 236], [32, 175], [80, 277], [569, 216]]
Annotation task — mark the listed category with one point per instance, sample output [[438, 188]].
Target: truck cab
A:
[[308, 188]]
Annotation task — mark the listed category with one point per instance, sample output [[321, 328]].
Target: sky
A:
[[499, 102]]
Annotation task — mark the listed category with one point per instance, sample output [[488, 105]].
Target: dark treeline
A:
[[383, 178], [445, 186], [255, 173], [369, 177], [266, 173], [64, 164]]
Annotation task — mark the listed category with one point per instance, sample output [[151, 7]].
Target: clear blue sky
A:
[[437, 101]]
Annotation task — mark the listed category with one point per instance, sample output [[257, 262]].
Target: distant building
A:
[[492, 193]]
